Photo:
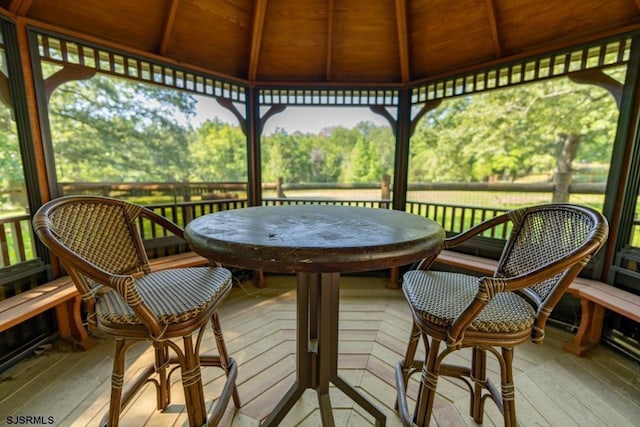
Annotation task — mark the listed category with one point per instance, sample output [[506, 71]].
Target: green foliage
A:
[[287, 156], [218, 153], [10, 162], [510, 133], [108, 129], [337, 154]]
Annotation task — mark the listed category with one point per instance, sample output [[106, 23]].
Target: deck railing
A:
[[379, 204], [16, 236], [16, 240], [458, 218]]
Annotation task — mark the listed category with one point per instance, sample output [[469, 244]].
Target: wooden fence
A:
[[190, 200], [16, 240]]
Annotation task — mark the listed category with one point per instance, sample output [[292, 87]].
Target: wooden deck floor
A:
[[553, 387]]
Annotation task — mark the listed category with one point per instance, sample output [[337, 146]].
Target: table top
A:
[[314, 238]]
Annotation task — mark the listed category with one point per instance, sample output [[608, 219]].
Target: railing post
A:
[[385, 191], [187, 214], [279, 191], [186, 191]]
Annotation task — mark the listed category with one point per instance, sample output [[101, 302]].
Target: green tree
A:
[[338, 143], [365, 163], [110, 129], [218, 153], [510, 133], [286, 156], [10, 162]]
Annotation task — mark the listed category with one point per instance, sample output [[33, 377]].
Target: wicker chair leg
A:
[[428, 383], [162, 363], [224, 355], [192, 384], [508, 388], [479, 377], [117, 380]]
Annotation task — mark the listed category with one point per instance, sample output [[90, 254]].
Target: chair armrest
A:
[[163, 222], [475, 230], [124, 284], [456, 240], [488, 287]]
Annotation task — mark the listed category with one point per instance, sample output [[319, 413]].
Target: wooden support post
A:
[[70, 327], [590, 330], [394, 278]]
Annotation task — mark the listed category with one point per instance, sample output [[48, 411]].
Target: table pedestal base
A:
[[318, 297]]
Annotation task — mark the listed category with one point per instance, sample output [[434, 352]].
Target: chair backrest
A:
[[96, 231], [545, 234]]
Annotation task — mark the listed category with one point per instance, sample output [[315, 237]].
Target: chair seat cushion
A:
[[174, 295], [439, 298]]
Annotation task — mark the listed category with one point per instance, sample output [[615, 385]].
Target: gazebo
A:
[[399, 58]]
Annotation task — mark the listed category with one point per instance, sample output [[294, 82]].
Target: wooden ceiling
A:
[[375, 42]]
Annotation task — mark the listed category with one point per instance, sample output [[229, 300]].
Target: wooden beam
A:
[[229, 105], [637, 5], [32, 106], [128, 49], [259, 12], [168, 27], [403, 40], [66, 74], [528, 54], [20, 7], [329, 55], [382, 111], [493, 25], [244, 123], [601, 79], [428, 106], [5, 96], [274, 109]]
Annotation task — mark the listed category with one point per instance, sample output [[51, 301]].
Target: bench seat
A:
[[594, 297], [62, 295]]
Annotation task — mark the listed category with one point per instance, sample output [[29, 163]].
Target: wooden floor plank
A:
[[556, 390], [552, 386], [591, 393]]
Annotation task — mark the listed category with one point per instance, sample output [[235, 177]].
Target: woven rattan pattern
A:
[[172, 295], [440, 297], [547, 247], [100, 233], [97, 240], [543, 237]]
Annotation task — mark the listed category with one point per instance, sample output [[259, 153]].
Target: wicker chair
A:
[[547, 247], [97, 240]]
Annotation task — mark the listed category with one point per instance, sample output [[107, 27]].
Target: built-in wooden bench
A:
[[62, 295], [594, 297]]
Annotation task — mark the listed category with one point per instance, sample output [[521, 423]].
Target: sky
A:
[[304, 119]]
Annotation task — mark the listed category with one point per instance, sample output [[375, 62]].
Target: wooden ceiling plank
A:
[[528, 54], [329, 55], [493, 24], [415, 52], [20, 7], [259, 13], [403, 39], [168, 27], [151, 56]]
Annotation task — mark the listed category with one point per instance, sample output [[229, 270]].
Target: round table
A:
[[317, 242]]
